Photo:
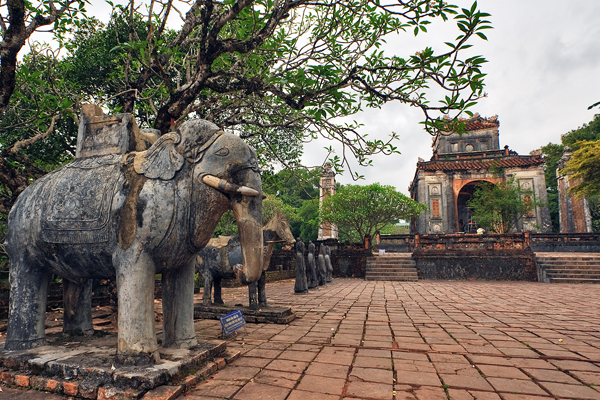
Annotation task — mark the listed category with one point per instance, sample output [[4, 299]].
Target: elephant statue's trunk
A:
[[247, 213]]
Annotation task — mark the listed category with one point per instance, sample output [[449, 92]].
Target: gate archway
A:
[[464, 213]]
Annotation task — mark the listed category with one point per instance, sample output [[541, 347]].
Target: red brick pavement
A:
[[422, 340], [416, 340]]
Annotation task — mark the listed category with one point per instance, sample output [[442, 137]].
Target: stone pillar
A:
[[574, 212], [327, 230]]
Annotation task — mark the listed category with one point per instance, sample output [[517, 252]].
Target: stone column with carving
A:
[[574, 212], [328, 188]]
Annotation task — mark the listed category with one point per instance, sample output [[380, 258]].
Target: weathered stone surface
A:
[[328, 266], [311, 267], [217, 260], [489, 265], [118, 213], [276, 315], [301, 286]]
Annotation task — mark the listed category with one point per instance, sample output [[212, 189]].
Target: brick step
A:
[[584, 262], [390, 270], [391, 261], [572, 270], [568, 260], [569, 264], [563, 266], [391, 265], [572, 280], [573, 276], [394, 255], [392, 278], [391, 274]]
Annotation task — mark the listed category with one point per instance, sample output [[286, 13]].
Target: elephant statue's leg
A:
[[217, 285], [77, 299], [135, 287], [178, 307], [252, 299], [262, 296], [28, 299], [207, 289]]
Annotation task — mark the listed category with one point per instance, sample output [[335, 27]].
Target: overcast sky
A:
[[543, 73]]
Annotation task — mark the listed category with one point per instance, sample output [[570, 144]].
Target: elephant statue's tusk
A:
[[224, 186]]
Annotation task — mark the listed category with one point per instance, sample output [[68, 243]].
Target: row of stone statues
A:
[[317, 271]]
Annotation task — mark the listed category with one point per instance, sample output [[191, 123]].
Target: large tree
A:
[[282, 72], [279, 73], [19, 19], [364, 210], [501, 207]]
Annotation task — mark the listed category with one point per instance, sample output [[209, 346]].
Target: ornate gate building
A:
[[458, 164]]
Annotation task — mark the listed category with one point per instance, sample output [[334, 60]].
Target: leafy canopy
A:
[[364, 210], [584, 169], [279, 73], [299, 189], [499, 208], [583, 165]]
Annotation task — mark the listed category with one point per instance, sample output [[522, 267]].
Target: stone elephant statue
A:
[[216, 261], [130, 216]]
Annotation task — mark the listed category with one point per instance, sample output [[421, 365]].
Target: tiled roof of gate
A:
[[481, 123], [461, 165]]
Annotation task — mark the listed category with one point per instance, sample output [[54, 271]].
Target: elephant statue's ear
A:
[[162, 160]]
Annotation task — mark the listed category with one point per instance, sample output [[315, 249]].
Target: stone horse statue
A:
[[217, 259], [130, 215]]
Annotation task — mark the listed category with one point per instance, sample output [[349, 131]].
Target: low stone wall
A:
[[460, 264], [396, 243], [565, 242]]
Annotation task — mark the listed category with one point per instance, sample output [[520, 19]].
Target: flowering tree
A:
[[364, 210]]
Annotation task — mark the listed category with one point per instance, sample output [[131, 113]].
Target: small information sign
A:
[[232, 322]]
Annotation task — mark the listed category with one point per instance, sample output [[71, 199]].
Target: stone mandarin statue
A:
[[328, 265], [311, 272], [322, 267], [301, 285]]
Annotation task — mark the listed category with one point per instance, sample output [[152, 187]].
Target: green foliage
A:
[[395, 230], [308, 226], [584, 168], [299, 189], [499, 208], [41, 112], [585, 133], [278, 74], [363, 210], [270, 205]]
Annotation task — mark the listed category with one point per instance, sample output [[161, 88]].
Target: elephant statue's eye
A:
[[222, 152]]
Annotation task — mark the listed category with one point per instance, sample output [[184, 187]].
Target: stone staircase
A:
[[391, 267], [568, 267]]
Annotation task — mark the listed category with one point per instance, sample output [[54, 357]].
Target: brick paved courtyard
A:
[[412, 340], [425, 340]]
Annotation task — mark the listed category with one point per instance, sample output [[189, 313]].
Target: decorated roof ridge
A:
[[477, 122], [462, 164]]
